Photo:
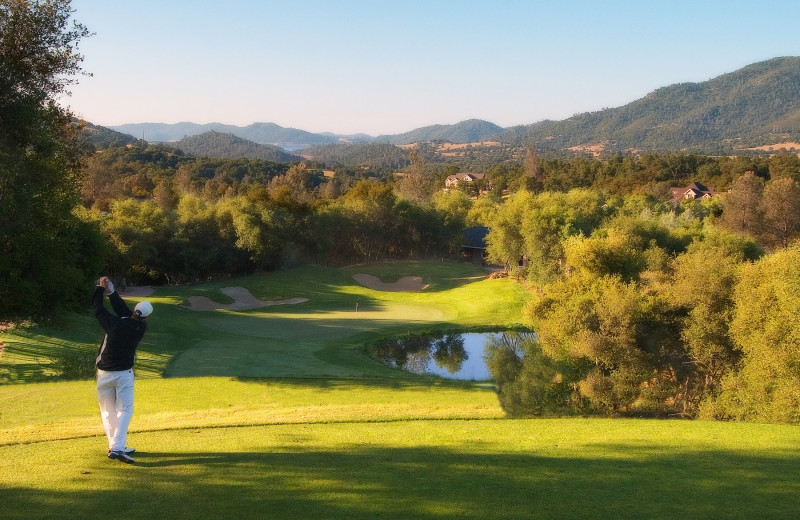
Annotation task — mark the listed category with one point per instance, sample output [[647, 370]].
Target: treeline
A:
[[269, 227], [371, 155], [137, 170], [163, 173], [645, 308], [647, 174]]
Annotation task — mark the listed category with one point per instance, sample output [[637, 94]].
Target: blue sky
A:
[[389, 66]]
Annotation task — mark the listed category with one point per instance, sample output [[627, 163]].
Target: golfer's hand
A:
[[106, 284]]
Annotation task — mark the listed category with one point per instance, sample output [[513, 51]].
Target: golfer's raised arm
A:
[[119, 305], [105, 318]]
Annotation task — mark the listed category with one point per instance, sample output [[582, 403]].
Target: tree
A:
[[742, 206], [505, 243], [766, 328], [780, 206], [551, 219], [368, 207], [140, 233], [454, 206], [613, 254], [414, 185], [702, 286], [533, 168], [39, 159], [484, 209], [609, 338], [784, 165]]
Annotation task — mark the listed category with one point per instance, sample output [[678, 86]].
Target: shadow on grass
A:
[[404, 380], [424, 483]]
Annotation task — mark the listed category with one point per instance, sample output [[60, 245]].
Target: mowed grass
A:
[[323, 337], [423, 469], [280, 413]]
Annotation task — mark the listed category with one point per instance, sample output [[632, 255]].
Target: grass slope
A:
[[343, 436]]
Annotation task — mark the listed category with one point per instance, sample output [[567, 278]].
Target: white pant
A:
[[115, 396]]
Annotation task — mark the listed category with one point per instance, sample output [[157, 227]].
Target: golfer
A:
[[115, 364]]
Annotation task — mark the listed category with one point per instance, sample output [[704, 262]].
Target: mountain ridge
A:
[[756, 105]]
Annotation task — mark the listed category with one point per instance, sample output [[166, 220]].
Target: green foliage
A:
[[139, 233], [783, 165], [636, 315], [702, 290], [505, 242], [613, 254], [767, 330], [529, 382], [742, 209], [529, 229], [780, 206], [40, 237], [138, 171], [612, 339], [484, 210]]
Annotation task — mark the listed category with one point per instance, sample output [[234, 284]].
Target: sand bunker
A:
[[407, 283], [242, 300]]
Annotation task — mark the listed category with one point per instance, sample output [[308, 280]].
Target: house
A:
[[694, 191], [474, 249], [453, 181]]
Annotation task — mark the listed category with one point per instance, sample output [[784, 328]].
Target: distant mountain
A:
[[261, 133], [228, 146], [756, 105], [469, 131]]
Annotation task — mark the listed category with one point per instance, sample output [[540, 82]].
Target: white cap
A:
[[144, 308]]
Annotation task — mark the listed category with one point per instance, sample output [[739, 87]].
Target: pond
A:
[[452, 356]]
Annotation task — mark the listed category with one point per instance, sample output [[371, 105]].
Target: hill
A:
[[469, 131], [228, 146], [100, 137], [756, 105]]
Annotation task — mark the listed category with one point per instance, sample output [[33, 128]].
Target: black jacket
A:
[[123, 333]]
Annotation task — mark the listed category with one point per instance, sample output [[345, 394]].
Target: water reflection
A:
[[453, 356]]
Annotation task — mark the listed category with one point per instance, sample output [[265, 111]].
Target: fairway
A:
[[279, 412]]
